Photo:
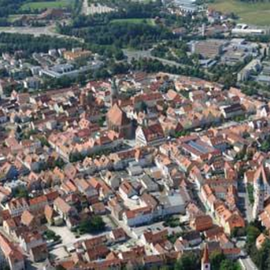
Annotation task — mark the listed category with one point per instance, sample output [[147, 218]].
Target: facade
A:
[[12, 255], [150, 135]]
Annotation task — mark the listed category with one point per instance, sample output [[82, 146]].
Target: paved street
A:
[[247, 264], [244, 203]]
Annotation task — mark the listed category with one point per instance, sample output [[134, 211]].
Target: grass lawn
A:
[[48, 4], [251, 13], [134, 21]]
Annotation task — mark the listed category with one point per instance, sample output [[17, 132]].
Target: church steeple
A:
[[205, 259], [114, 90], [86, 97]]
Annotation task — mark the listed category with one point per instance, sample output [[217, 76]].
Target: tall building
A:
[[205, 262], [203, 29], [86, 98], [118, 121], [114, 91]]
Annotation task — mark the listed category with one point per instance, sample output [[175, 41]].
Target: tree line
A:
[[11, 42]]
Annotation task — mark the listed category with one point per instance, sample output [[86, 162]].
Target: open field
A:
[[48, 4], [36, 31], [251, 13], [134, 21]]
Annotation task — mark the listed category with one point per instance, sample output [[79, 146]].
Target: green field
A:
[[250, 13], [48, 4], [134, 21]]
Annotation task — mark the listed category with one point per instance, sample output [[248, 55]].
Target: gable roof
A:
[[117, 116], [27, 218]]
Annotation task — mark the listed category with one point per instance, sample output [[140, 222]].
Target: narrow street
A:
[[244, 203]]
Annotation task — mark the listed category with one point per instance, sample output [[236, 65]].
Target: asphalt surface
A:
[[247, 264]]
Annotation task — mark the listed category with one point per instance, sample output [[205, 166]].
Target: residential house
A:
[[150, 135], [12, 254]]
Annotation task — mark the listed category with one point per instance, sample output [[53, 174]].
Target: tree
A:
[[250, 190], [101, 121], [74, 157], [119, 55], [253, 231], [59, 162], [265, 146], [229, 265], [60, 267], [142, 106], [238, 232], [188, 261], [44, 141], [11, 42], [216, 259], [241, 155], [252, 234], [262, 257], [164, 268], [51, 235], [21, 192], [94, 224]]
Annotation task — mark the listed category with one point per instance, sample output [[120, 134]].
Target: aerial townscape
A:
[[134, 134]]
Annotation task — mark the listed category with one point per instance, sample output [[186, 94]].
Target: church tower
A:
[[114, 91], [86, 98], [205, 259]]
